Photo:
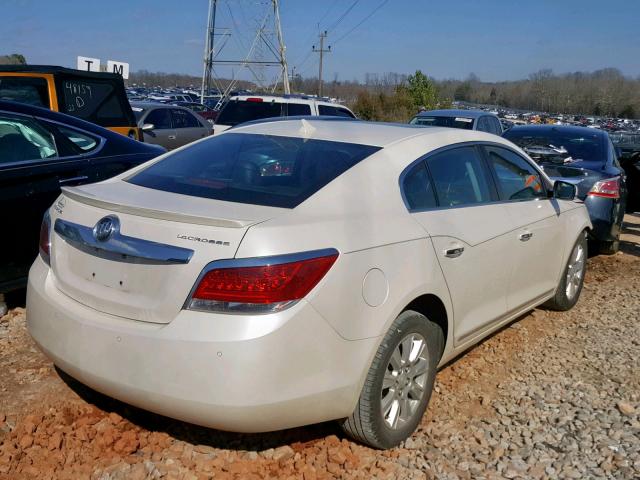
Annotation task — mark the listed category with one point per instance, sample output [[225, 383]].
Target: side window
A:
[[23, 139], [517, 179], [334, 111], [159, 118], [298, 109], [614, 156], [459, 177], [417, 189], [33, 91], [83, 142], [184, 119], [483, 125]]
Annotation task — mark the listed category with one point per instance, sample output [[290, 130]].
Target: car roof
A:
[[455, 113], [556, 128], [356, 131], [54, 69], [293, 98]]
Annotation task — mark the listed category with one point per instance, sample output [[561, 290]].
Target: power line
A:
[[362, 21], [337, 22], [313, 34], [327, 12]]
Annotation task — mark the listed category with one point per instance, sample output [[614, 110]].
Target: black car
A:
[[628, 145], [587, 158], [40, 151]]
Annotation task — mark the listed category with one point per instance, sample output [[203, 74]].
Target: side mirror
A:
[[564, 190], [148, 127]]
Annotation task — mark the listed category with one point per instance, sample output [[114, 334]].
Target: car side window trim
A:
[[495, 198], [65, 158], [496, 181]]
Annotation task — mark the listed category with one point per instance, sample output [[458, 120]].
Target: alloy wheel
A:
[[575, 271], [403, 385]]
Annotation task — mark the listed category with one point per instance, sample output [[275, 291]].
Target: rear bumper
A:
[[247, 374], [606, 216]]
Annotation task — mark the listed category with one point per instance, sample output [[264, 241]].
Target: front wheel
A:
[[570, 286], [399, 382]]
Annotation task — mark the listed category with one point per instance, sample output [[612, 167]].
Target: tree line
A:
[[396, 97]]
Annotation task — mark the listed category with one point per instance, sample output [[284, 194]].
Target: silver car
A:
[[169, 125]]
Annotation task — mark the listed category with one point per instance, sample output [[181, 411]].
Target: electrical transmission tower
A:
[[266, 50]]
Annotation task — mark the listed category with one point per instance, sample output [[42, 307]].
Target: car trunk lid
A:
[[580, 173], [145, 268]]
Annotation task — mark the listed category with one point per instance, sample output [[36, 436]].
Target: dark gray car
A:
[[169, 125]]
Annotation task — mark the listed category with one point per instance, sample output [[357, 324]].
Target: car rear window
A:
[[463, 123], [252, 168], [240, 111], [559, 147], [97, 101]]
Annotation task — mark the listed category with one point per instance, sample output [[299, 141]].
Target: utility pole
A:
[[321, 51]]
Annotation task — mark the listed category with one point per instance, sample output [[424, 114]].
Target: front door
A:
[[163, 132], [452, 196], [537, 236]]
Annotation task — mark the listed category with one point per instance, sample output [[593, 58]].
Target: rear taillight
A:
[[609, 188], [45, 238], [260, 285]]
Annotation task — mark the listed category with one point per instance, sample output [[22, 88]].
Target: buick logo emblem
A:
[[105, 228]]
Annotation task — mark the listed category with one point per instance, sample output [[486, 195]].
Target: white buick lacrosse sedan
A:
[[297, 271]]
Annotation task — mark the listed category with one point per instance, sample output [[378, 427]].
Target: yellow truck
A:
[[96, 97]]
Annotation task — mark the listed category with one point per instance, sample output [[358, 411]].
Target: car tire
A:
[[381, 426], [571, 283], [609, 248]]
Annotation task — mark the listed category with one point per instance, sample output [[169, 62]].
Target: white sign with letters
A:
[[120, 68], [90, 64]]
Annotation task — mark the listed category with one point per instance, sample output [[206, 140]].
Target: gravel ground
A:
[[554, 395]]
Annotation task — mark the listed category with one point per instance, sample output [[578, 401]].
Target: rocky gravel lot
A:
[[554, 395]]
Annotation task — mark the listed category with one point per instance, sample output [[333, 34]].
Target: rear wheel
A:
[[399, 382], [570, 286]]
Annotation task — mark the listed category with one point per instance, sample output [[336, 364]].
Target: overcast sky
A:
[[495, 39]]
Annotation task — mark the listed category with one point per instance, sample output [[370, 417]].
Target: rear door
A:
[[452, 196], [187, 127], [31, 172], [537, 235]]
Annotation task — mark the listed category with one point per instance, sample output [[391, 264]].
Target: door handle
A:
[[454, 252], [171, 137], [526, 236], [64, 181]]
